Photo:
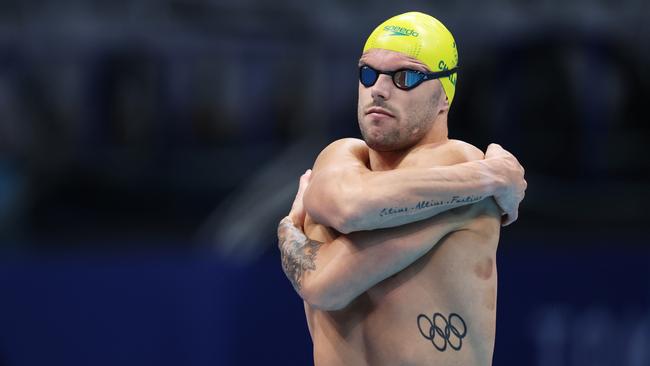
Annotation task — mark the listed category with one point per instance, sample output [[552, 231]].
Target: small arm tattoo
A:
[[298, 252], [423, 205]]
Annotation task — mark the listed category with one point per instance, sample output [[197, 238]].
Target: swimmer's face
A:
[[390, 118]]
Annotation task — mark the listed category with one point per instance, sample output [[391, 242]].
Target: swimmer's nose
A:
[[381, 89]]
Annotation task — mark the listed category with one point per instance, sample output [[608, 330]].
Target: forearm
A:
[[386, 199], [330, 275]]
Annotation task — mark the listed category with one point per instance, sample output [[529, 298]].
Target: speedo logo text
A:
[[400, 31]]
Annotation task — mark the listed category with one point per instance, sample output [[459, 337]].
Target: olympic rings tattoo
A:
[[442, 332]]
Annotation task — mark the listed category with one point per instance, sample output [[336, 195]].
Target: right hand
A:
[[297, 213], [513, 189]]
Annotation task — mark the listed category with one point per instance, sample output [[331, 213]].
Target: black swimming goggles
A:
[[405, 79]]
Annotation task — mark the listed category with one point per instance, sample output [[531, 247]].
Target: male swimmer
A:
[[391, 242]]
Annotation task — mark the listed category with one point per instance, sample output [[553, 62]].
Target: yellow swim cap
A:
[[422, 37]]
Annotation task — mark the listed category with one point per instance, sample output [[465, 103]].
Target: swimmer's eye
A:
[[405, 79]]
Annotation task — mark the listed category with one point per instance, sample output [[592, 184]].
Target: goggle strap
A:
[[443, 73]]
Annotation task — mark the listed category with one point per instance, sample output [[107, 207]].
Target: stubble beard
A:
[[396, 138], [386, 141]]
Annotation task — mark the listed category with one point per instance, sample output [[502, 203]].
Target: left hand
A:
[[297, 213], [513, 188]]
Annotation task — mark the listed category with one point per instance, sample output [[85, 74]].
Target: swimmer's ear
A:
[[443, 103], [443, 100]]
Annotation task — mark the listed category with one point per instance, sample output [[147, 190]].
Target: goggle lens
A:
[[367, 76], [403, 79]]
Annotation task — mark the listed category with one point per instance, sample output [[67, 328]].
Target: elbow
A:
[[326, 298], [346, 220], [337, 210]]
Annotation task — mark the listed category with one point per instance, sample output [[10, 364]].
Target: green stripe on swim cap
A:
[[422, 37]]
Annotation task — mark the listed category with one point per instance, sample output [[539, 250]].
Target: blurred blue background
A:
[[149, 148]]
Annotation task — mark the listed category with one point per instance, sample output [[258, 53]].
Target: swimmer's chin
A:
[[383, 147]]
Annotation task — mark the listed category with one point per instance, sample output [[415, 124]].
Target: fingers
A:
[[302, 186], [494, 149], [507, 166], [297, 213], [524, 186], [493, 146], [509, 218], [304, 180], [510, 213], [511, 205]]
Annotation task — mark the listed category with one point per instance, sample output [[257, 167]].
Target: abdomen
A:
[[442, 309]]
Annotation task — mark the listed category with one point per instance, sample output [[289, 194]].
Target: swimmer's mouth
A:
[[379, 111]]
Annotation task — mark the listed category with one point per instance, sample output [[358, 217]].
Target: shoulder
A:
[[341, 153], [463, 151], [345, 144], [450, 152]]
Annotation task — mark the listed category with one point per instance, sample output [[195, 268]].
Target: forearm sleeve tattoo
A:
[[298, 252]]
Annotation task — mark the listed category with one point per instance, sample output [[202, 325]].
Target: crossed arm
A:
[[330, 275], [346, 195]]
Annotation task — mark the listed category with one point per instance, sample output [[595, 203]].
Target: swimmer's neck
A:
[[388, 160]]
